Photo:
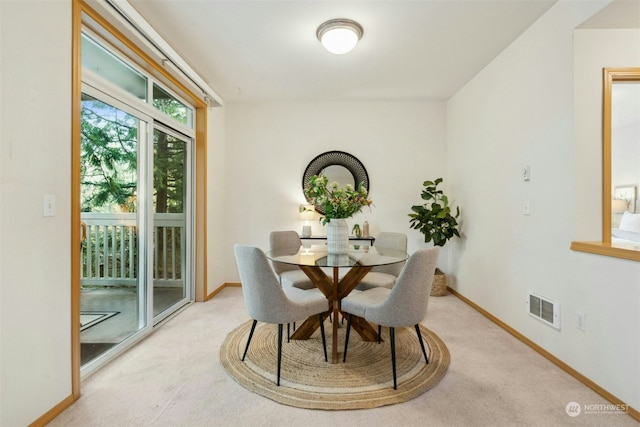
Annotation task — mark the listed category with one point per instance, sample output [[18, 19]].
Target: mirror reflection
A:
[[339, 174], [623, 130]]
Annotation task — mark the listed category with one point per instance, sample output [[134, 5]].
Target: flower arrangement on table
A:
[[336, 201]]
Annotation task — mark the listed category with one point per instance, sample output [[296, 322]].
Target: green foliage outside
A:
[[109, 156], [109, 180]]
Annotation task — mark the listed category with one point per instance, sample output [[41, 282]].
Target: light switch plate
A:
[[49, 205], [526, 173]]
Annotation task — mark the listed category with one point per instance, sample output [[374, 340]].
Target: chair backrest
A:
[[284, 243], [391, 240], [264, 298], [407, 302]]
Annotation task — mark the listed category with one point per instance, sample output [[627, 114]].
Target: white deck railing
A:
[[110, 250]]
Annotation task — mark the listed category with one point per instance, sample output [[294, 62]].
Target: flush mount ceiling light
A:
[[339, 35]]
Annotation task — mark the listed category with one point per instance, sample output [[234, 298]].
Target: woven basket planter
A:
[[439, 285]]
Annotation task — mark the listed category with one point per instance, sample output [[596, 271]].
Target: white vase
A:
[[337, 236]]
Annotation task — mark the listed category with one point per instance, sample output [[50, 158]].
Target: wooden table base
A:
[[335, 290]]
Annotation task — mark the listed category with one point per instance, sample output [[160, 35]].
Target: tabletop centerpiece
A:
[[338, 204]]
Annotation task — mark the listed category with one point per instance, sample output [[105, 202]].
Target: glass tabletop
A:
[[364, 256]]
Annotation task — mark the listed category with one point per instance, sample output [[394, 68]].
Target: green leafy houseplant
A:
[[336, 201], [434, 218]]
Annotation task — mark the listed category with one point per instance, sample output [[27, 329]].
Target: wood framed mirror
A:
[[621, 158]]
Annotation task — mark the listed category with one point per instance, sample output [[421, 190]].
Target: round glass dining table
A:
[[358, 256], [359, 261]]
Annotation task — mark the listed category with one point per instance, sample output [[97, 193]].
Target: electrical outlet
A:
[[581, 321]]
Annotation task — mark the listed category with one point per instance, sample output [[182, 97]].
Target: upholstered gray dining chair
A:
[[288, 242], [385, 275], [403, 305], [268, 302]]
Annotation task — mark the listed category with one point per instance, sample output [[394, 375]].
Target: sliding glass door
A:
[[136, 221], [136, 149], [171, 213], [113, 296]]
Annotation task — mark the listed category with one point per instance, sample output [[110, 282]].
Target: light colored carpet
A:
[[175, 378], [364, 381]]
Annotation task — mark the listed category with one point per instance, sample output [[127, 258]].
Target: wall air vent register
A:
[[544, 309]]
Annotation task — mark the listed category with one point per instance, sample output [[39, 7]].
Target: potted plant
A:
[[434, 219], [337, 203]]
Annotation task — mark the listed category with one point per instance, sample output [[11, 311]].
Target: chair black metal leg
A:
[[346, 339], [392, 336], [324, 340], [289, 331], [279, 350], [422, 344], [253, 327], [379, 333]]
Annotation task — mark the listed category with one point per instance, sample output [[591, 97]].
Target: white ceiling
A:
[[265, 50]]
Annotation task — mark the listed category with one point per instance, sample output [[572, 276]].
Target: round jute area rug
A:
[[307, 381]]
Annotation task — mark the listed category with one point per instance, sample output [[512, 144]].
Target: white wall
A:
[[401, 144], [517, 111], [35, 297]]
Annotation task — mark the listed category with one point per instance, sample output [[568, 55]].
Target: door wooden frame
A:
[[79, 9]]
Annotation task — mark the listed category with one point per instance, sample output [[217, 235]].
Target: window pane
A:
[[112, 302], [108, 158], [169, 220], [103, 63], [169, 105]]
